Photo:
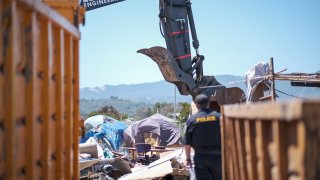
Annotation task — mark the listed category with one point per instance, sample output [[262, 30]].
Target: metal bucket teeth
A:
[[162, 57], [157, 54], [170, 69]]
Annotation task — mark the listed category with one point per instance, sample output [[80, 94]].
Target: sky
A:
[[234, 36]]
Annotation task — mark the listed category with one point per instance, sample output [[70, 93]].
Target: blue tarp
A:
[[110, 130]]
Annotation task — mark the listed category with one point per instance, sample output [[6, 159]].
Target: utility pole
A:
[[273, 88], [297, 79]]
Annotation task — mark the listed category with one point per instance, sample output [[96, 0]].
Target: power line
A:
[[291, 95]]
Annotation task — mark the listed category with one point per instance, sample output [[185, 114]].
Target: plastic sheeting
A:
[[110, 131], [255, 76], [168, 132]]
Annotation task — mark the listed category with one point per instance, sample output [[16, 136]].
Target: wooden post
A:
[[271, 72]]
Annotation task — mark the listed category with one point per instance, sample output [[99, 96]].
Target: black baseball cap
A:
[[201, 99]]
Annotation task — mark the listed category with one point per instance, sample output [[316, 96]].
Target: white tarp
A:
[[254, 76]]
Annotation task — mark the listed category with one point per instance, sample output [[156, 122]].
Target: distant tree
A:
[[109, 111], [163, 108], [114, 97], [143, 112], [184, 112]]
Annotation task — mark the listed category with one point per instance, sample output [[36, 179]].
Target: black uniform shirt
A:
[[203, 132]]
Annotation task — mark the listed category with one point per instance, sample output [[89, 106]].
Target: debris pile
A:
[[152, 149]]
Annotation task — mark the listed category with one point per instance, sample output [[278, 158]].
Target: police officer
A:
[[203, 135]]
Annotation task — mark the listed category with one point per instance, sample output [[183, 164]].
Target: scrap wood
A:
[[117, 153], [87, 163], [84, 156], [168, 157], [158, 168], [157, 171], [180, 172]]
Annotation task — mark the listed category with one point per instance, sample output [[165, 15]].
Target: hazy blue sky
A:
[[233, 35]]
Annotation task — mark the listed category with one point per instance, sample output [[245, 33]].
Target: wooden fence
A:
[[271, 141], [39, 92]]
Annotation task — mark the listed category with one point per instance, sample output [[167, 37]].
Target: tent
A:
[[160, 116], [167, 132], [105, 128], [94, 122]]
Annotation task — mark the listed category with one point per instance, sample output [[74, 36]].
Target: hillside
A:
[[149, 92], [128, 98], [124, 106]]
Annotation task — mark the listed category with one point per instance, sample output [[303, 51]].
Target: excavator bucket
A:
[[170, 69], [162, 57], [185, 82], [232, 95]]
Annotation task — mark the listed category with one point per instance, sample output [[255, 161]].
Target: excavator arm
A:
[[94, 4], [175, 62]]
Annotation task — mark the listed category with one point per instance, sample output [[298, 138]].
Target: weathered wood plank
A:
[[47, 44], [279, 134], [223, 146], [266, 111], [32, 82], [58, 60], [236, 167], [55, 17], [76, 110], [283, 148], [2, 89], [37, 73], [262, 152], [239, 132], [10, 22], [29, 37], [69, 102], [251, 155]]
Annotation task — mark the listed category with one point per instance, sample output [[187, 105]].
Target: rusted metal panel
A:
[[38, 74], [279, 145]]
